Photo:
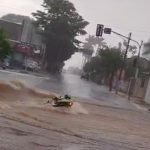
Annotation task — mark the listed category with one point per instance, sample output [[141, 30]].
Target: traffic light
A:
[[99, 30], [107, 30]]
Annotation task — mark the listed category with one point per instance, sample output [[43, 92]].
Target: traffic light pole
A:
[[140, 47], [99, 32], [109, 31], [125, 56], [124, 59], [120, 34]]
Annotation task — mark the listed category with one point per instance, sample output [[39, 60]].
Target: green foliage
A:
[[132, 48], [61, 24], [107, 62], [93, 65], [91, 43], [96, 41], [143, 65], [130, 69], [4, 46], [112, 60]]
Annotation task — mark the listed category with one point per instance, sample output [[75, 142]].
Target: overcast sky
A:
[[121, 15]]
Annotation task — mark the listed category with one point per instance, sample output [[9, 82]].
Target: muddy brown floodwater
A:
[[27, 122]]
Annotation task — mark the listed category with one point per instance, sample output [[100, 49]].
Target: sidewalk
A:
[[138, 102], [40, 74]]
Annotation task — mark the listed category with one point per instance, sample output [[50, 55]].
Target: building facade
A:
[[147, 96], [28, 48]]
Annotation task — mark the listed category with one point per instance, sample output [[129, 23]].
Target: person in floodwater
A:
[[67, 97]]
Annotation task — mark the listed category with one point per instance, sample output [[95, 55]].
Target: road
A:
[[70, 84], [99, 121]]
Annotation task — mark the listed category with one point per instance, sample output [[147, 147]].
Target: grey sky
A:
[[122, 15]]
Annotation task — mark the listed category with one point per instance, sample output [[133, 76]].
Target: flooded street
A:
[[85, 90], [70, 84], [98, 120], [60, 62]]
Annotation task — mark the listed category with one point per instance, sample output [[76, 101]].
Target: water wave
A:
[[16, 93]]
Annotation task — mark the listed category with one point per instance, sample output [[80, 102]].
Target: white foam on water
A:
[[21, 95], [4, 106], [77, 108]]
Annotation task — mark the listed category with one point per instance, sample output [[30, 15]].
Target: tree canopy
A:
[[112, 60], [61, 24], [90, 47], [4, 46], [106, 64]]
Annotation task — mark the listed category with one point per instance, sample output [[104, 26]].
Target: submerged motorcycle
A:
[[65, 101]]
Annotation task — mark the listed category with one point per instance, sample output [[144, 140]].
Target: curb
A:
[[139, 103]]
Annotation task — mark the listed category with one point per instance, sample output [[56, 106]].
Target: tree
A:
[[95, 41], [61, 24], [107, 62], [93, 71], [4, 46], [91, 44], [93, 65], [143, 65], [132, 48], [112, 60]]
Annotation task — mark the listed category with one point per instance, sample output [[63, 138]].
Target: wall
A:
[[147, 97], [27, 31], [13, 30], [140, 88], [30, 34]]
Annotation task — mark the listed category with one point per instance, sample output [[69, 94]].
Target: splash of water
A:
[[18, 94]]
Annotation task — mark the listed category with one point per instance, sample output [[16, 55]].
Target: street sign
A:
[[99, 30], [107, 30]]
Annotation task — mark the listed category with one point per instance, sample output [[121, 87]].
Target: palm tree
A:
[[90, 45]]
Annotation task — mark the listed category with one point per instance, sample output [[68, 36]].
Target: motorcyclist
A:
[[67, 97]]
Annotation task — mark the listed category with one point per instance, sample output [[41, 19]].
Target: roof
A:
[[13, 30]]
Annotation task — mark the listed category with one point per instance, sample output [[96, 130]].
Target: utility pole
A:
[[99, 32], [138, 59], [124, 60], [125, 56], [43, 56]]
